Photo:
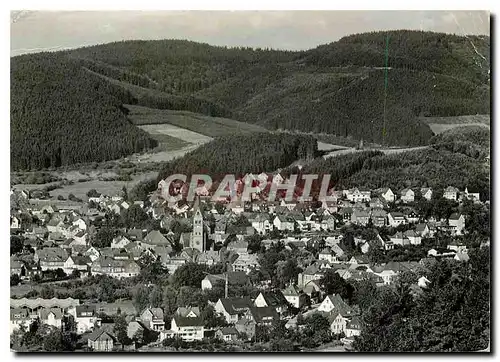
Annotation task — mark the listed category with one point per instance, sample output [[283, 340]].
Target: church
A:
[[197, 239]]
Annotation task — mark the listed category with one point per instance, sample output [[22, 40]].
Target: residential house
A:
[[396, 218], [387, 195], [328, 255], [457, 222], [155, 238], [407, 196], [115, 268], [77, 262], [294, 296], [426, 193], [15, 223], [51, 316], [422, 230], [261, 224], [17, 267], [457, 247], [451, 193], [461, 257], [313, 291], [246, 262], [233, 309], [333, 303], [355, 195], [379, 217], [102, 340], [236, 278], [311, 273], [413, 237], [353, 327], [346, 214], [328, 222], [227, 334], [19, 317], [262, 315], [153, 319], [51, 258], [119, 242], [284, 223], [188, 324], [474, 196], [377, 203], [85, 317], [272, 299], [360, 217], [411, 216]]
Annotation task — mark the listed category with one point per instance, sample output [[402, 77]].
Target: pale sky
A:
[[33, 31]]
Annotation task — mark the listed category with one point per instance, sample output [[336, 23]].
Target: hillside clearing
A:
[[205, 125]]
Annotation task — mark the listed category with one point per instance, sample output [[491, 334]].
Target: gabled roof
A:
[[157, 313], [274, 298], [156, 238], [455, 216], [80, 309], [261, 313], [57, 312], [102, 334], [291, 290], [339, 305], [236, 305]]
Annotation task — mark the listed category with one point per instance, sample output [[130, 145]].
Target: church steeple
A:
[[198, 234]]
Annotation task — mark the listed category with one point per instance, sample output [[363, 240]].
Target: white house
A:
[[407, 195], [283, 223], [294, 296], [188, 324], [457, 222], [450, 193], [426, 193], [388, 195], [85, 317], [396, 218]]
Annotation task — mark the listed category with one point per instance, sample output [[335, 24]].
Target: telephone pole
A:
[[385, 86]]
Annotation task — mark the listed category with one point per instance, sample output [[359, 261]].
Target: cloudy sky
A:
[[33, 31]]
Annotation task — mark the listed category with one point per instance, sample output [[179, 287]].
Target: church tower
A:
[[198, 234]]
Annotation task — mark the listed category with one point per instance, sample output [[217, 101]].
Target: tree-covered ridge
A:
[[61, 115], [241, 154], [448, 54], [436, 168], [335, 88]]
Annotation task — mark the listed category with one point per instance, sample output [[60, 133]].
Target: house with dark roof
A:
[[188, 324], [333, 303], [227, 334], [233, 308], [153, 319], [85, 317], [102, 340], [396, 218], [235, 278], [274, 299], [262, 315]]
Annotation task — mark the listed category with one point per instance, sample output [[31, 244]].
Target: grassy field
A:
[[442, 124], [205, 125], [186, 136]]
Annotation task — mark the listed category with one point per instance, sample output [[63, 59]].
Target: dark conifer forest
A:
[[66, 105]]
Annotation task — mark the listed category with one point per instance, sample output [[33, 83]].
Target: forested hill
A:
[[337, 88], [62, 115]]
